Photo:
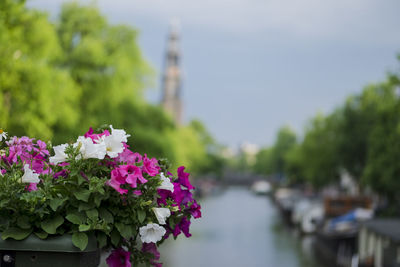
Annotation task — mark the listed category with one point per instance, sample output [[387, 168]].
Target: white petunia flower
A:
[[151, 233], [60, 155], [119, 134], [162, 214], [91, 150], [29, 176], [114, 145], [3, 135], [166, 183]]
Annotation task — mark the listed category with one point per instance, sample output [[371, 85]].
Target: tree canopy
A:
[[59, 78], [360, 137]]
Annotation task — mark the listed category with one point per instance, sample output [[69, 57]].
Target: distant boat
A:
[[311, 218], [286, 198], [261, 187], [306, 214]]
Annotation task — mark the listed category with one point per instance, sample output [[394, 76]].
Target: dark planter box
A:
[[52, 252]]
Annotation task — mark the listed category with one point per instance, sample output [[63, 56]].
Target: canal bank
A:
[[239, 228]]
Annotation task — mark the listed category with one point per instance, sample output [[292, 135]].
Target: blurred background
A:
[[286, 113]]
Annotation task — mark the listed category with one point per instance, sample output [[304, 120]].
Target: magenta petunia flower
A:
[[179, 196], [116, 181], [132, 174], [183, 178], [41, 148], [127, 156], [137, 157], [150, 166], [182, 226], [93, 136], [38, 164], [152, 248], [195, 210], [31, 187], [119, 258], [62, 173]]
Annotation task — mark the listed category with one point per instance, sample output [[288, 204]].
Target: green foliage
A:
[[50, 225], [16, 233], [35, 95], [80, 240], [361, 137], [58, 79], [318, 151], [273, 160], [264, 161], [382, 169]]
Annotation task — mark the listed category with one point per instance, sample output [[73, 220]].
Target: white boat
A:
[[300, 208], [311, 217], [261, 187]]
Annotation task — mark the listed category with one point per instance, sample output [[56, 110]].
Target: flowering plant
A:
[[96, 187]]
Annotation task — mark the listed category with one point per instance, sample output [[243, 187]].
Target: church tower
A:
[[171, 80]]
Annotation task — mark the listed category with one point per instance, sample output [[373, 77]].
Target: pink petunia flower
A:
[[31, 187], [93, 136], [129, 157], [132, 174], [116, 181], [150, 166]]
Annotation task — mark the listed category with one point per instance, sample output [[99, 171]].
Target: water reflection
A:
[[239, 229]]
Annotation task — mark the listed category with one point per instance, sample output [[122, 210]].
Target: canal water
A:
[[239, 229]]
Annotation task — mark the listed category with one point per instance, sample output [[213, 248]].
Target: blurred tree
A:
[[294, 165], [57, 81], [29, 81], [382, 170], [106, 62], [188, 149], [263, 163], [286, 139], [272, 160], [213, 163], [317, 156]]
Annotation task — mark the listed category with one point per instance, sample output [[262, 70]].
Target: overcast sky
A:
[[251, 66]]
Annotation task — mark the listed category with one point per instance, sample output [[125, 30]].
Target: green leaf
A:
[[115, 237], [101, 239], [141, 215], [73, 218], [76, 218], [106, 215], [84, 228], [171, 222], [93, 214], [86, 206], [16, 233], [81, 180], [56, 202], [51, 225], [80, 240], [41, 234], [82, 195], [23, 222], [125, 230], [98, 199]]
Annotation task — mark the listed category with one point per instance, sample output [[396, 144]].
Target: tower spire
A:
[[171, 81]]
